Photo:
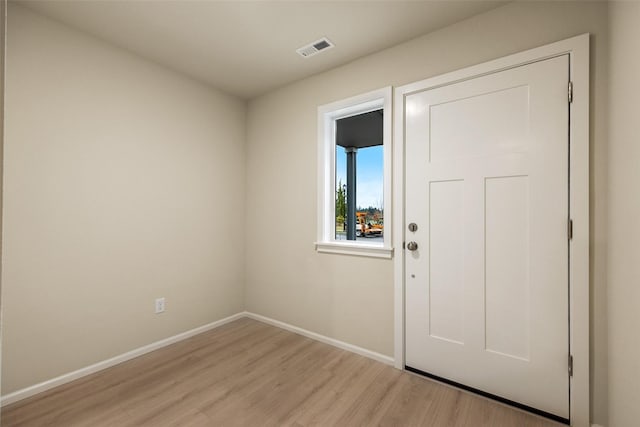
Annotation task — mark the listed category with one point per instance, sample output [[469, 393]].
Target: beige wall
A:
[[351, 298], [123, 182], [624, 212]]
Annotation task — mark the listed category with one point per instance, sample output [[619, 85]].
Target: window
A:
[[354, 184]]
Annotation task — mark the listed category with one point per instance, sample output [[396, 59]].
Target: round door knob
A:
[[412, 246]]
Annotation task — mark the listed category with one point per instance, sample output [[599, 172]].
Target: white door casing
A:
[[487, 185]]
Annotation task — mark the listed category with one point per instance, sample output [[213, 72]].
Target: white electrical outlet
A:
[[159, 305]]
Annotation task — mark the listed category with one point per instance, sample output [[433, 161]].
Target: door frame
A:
[[578, 50]]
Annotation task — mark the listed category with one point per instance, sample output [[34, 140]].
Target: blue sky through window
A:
[[369, 175]]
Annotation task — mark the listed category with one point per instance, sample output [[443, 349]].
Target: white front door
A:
[[487, 187]]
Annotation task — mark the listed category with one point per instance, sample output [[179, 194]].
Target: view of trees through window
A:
[[369, 218]]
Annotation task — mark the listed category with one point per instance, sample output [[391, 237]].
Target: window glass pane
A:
[[369, 194], [341, 193]]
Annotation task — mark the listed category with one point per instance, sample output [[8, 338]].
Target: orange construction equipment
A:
[[364, 229]]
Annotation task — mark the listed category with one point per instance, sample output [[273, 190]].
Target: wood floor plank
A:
[[247, 373]]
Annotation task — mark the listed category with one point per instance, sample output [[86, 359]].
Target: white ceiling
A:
[[247, 48]]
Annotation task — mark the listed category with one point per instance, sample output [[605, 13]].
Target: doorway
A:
[[487, 267]]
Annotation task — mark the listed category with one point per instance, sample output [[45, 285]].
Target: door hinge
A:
[[570, 92], [570, 229], [570, 365]]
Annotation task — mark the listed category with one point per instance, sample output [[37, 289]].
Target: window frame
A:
[[327, 116]]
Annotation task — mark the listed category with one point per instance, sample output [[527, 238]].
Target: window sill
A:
[[354, 249]]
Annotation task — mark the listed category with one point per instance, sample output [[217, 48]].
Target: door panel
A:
[[495, 133], [487, 184], [446, 293], [507, 265]]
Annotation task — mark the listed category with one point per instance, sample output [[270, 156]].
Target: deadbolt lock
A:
[[413, 227]]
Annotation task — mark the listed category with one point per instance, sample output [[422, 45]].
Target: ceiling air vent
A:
[[315, 47]]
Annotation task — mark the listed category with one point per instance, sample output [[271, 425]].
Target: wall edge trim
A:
[[388, 360]]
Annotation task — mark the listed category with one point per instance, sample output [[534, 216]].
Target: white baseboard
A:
[[331, 341], [71, 376], [596, 425]]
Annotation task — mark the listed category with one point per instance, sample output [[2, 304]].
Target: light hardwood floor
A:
[[247, 373]]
